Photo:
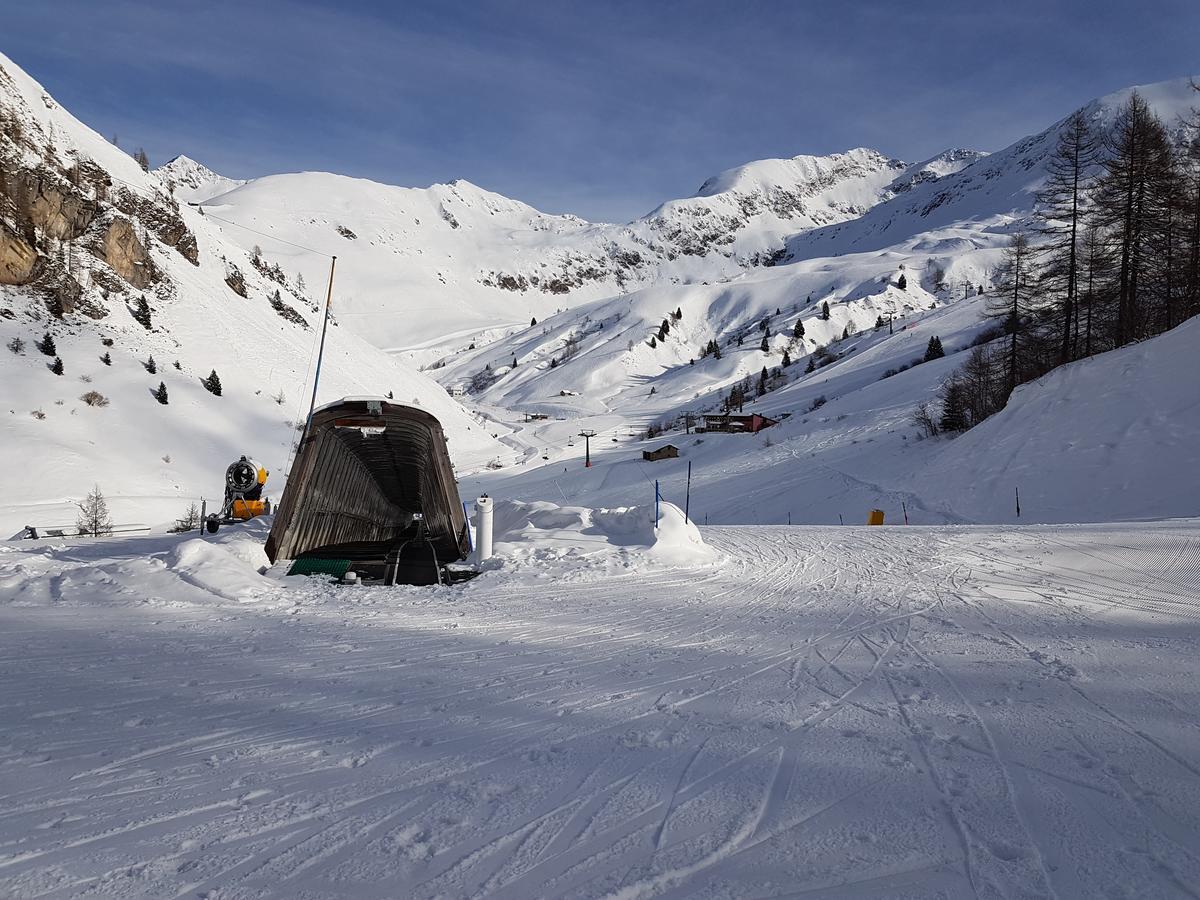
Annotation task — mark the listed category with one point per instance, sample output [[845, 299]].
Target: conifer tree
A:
[[1011, 302], [212, 383], [57, 366], [161, 394], [787, 359], [106, 358], [93, 516], [46, 345], [902, 282], [1061, 206], [765, 346], [825, 310], [933, 350], [798, 330], [141, 313], [151, 365], [1129, 199], [533, 321], [762, 381], [811, 367]]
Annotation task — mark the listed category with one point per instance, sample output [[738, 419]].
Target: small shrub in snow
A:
[[280, 399], [94, 398], [107, 342], [17, 346], [817, 403], [37, 414], [190, 521], [56, 367], [86, 379], [106, 358], [923, 418]]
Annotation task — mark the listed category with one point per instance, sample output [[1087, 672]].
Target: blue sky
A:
[[603, 109]]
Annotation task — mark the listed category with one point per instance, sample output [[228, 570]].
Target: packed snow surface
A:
[[835, 712]]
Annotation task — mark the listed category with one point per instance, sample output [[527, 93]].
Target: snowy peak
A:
[[948, 162], [799, 173], [194, 181]]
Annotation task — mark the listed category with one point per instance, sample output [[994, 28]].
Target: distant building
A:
[[751, 424], [667, 451]]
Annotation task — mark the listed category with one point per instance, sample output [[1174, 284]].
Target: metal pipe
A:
[[483, 528]]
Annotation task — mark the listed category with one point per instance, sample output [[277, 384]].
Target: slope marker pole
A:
[[687, 497]]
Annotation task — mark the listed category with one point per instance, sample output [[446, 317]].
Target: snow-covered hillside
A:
[[1089, 442], [97, 234]]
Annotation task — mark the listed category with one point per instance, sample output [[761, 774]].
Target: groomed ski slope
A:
[[827, 712]]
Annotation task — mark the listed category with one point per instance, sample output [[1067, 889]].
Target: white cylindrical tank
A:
[[483, 528]]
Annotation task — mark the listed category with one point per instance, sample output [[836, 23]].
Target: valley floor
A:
[[831, 712]]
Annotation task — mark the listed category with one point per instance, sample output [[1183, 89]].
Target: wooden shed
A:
[[667, 451]]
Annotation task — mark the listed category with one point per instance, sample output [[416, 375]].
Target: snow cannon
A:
[[244, 481]]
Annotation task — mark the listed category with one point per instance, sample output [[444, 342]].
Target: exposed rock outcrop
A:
[[50, 202], [18, 258], [123, 251]]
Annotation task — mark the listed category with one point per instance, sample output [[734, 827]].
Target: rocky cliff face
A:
[[68, 230]]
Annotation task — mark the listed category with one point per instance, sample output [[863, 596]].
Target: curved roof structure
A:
[[367, 476]]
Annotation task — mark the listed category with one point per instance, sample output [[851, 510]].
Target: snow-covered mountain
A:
[[193, 182], [450, 276], [85, 234], [428, 267]]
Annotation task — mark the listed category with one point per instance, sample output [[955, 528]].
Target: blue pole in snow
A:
[[687, 498], [655, 502], [467, 519]]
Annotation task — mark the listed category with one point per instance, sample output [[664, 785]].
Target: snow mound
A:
[[231, 570], [543, 534]]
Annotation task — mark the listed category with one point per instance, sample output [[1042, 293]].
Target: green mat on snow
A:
[[335, 567]]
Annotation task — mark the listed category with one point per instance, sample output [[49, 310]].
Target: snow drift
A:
[[542, 534]]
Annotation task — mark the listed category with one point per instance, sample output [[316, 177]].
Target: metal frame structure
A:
[[370, 479]]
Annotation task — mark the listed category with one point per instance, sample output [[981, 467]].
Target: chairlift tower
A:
[[587, 434]]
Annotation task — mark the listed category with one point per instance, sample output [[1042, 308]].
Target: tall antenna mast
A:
[[321, 352]]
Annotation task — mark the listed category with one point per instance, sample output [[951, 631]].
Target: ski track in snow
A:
[[851, 712]]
